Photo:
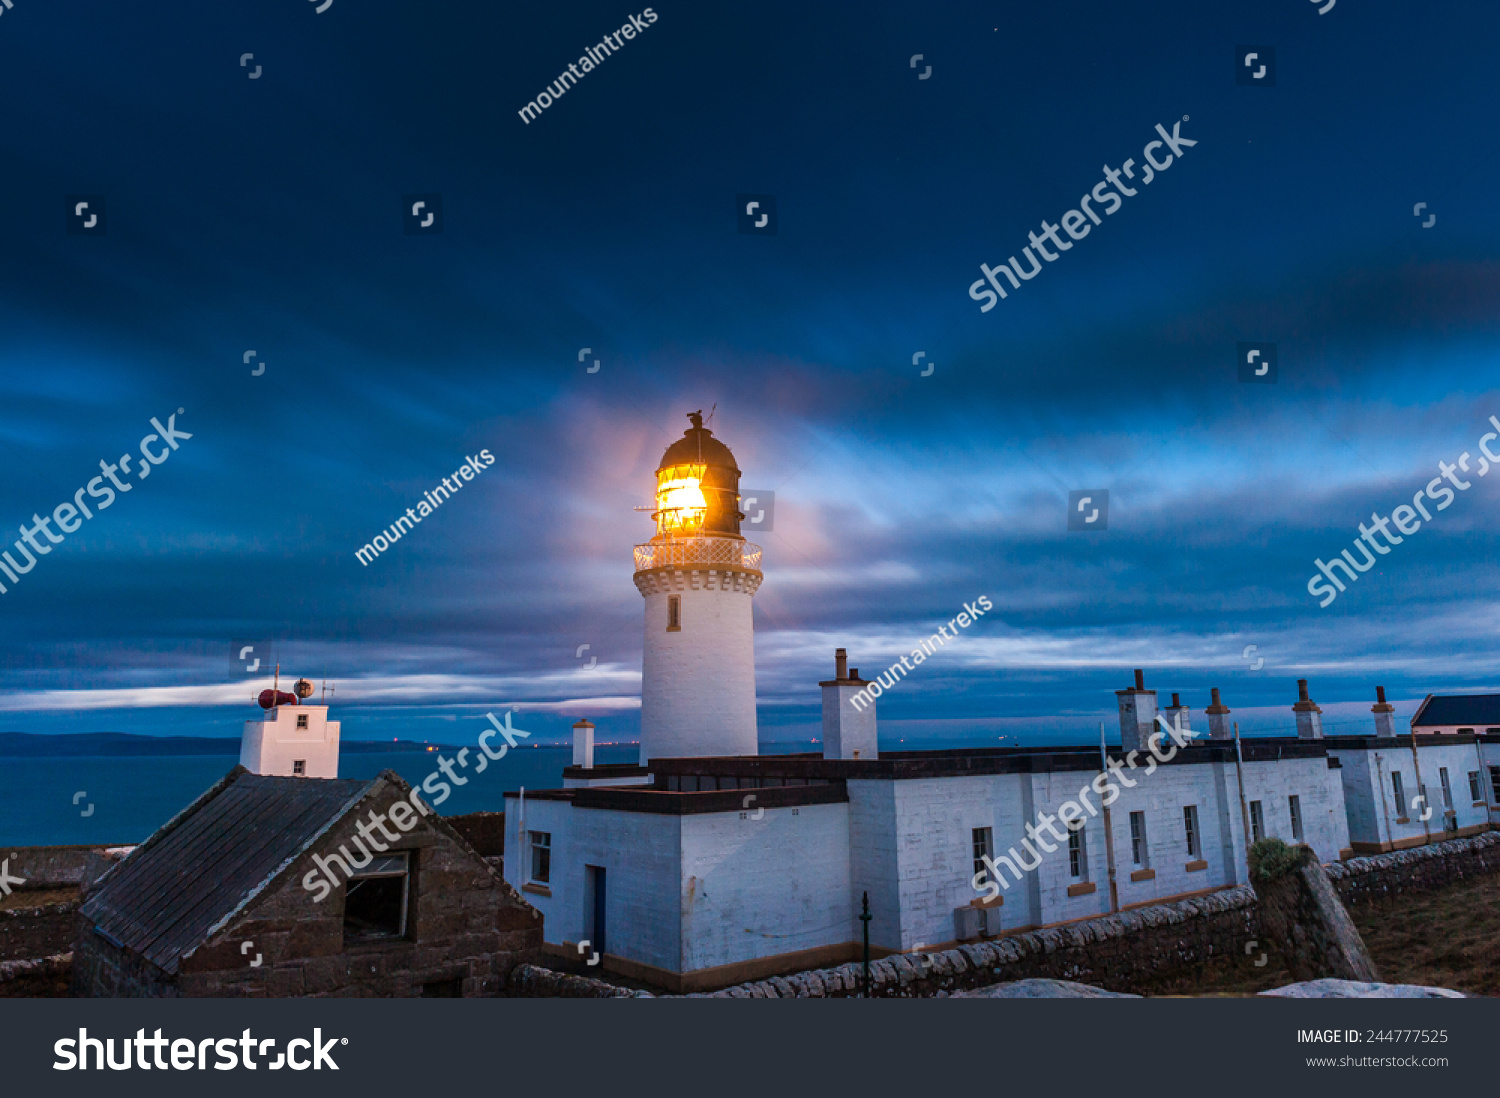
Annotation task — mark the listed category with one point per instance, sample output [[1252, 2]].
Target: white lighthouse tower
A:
[[698, 575]]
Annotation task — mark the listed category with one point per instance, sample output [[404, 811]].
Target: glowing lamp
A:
[[697, 487]]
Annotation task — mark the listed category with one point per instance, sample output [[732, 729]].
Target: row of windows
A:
[[707, 783], [1450, 817], [1140, 849]]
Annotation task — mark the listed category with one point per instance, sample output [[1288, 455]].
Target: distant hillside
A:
[[25, 745]]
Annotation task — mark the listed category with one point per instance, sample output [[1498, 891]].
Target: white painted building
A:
[[292, 740], [708, 864]]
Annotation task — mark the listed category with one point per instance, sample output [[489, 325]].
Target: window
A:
[[1078, 854], [1399, 791], [1495, 781], [375, 899], [1296, 806], [1190, 825], [1447, 789], [301, 720], [984, 847], [1138, 852], [1476, 791], [299, 767], [541, 856], [1257, 822], [674, 613], [1470, 731]]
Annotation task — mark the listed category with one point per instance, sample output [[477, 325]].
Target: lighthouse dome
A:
[[697, 486]]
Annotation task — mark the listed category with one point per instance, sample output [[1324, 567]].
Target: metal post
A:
[[865, 918], [1239, 766], [1109, 834], [1421, 789], [1385, 810]]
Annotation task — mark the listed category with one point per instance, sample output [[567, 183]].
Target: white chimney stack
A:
[[583, 744], [1218, 719], [1385, 714], [1137, 714], [1309, 716], [848, 728]]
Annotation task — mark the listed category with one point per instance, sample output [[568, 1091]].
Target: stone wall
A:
[[31, 932], [535, 982], [43, 977], [1124, 951], [1115, 952], [484, 831], [1418, 869], [49, 866]]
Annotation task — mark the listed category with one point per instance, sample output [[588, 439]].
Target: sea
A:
[[122, 800]]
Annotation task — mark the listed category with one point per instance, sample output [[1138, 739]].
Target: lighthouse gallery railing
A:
[[685, 551]]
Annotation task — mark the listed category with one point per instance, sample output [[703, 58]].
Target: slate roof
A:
[[1471, 710], [175, 890]]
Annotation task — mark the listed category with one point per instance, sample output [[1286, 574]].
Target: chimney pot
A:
[[1215, 693], [1140, 679], [841, 663], [1176, 701], [1302, 690], [1380, 694], [854, 673]]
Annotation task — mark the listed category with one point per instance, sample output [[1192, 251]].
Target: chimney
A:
[[1385, 715], [1309, 716], [848, 714], [1219, 727], [1137, 714], [1179, 715], [583, 745]]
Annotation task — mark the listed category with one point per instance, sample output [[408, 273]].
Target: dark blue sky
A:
[[265, 214]]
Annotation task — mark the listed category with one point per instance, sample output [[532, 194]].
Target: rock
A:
[[1041, 989], [1300, 912], [1354, 989]]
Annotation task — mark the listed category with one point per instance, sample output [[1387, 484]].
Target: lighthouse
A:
[[697, 575]]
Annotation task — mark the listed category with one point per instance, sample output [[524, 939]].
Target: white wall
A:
[[698, 683], [270, 746], [755, 888], [641, 855]]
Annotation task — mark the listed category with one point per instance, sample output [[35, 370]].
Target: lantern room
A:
[[697, 487]]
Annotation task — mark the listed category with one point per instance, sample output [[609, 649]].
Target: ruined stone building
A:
[[280, 886]]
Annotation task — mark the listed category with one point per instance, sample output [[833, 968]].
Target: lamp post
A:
[[865, 918]]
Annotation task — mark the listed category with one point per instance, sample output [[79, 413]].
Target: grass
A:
[[1447, 938]]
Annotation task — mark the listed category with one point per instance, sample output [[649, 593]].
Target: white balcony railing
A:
[[686, 551]]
